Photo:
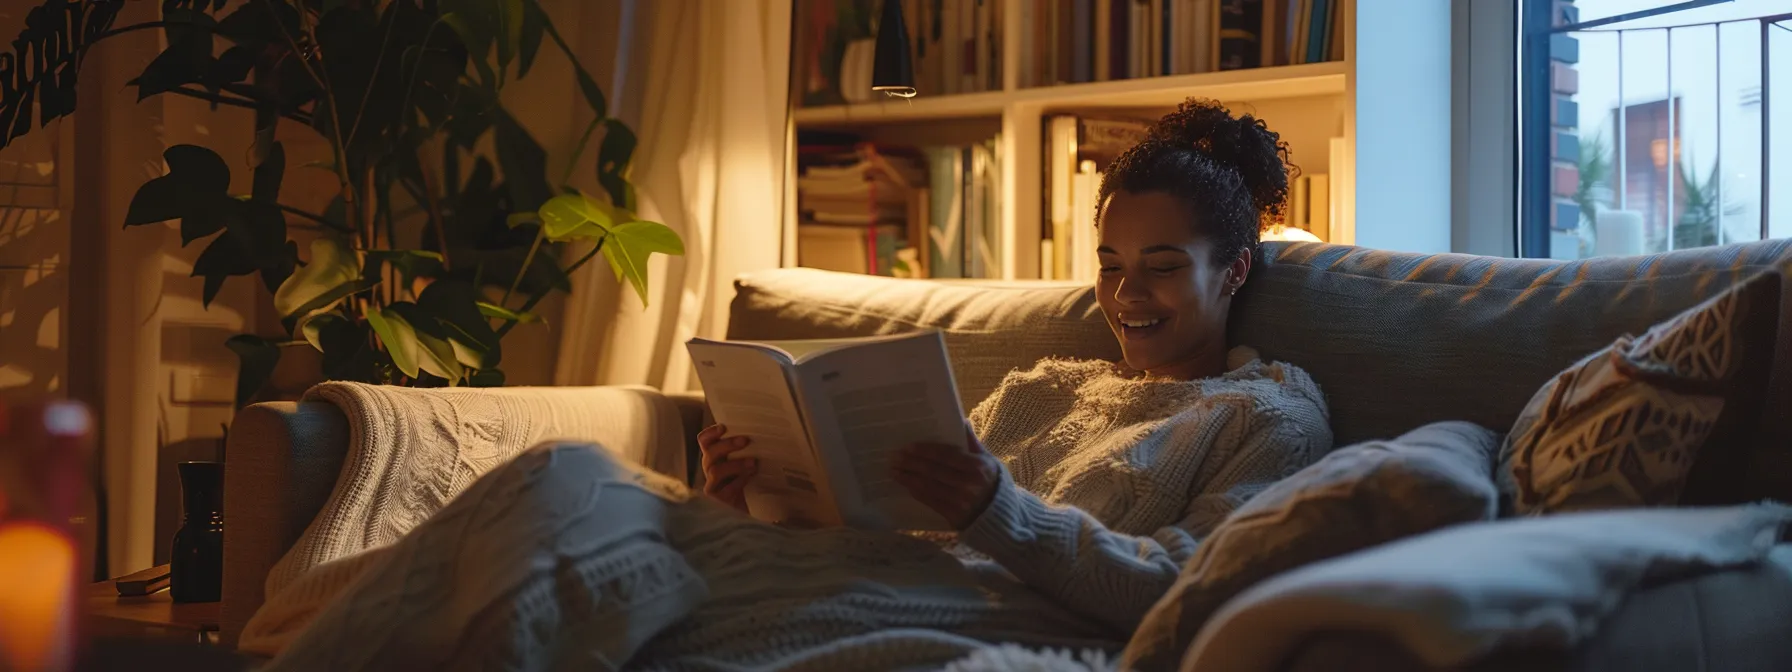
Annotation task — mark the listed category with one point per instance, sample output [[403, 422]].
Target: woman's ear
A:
[[1237, 272]]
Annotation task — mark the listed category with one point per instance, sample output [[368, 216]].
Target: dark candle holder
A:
[[196, 566]]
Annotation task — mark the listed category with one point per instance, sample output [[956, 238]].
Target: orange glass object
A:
[[39, 605], [44, 547]]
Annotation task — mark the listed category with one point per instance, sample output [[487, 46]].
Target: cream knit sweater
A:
[[569, 556]]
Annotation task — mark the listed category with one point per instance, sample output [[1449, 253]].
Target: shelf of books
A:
[[991, 171]]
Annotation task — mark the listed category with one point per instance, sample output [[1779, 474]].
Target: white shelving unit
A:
[[1307, 104]]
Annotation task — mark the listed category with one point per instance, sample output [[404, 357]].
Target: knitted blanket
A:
[[572, 553], [411, 451]]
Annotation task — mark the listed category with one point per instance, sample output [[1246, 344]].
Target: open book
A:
[[826, 417]]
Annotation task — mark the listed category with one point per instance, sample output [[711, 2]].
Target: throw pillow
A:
[[1629, 425], [1354, 498]]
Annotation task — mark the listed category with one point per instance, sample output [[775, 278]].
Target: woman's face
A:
[[1160, 289]]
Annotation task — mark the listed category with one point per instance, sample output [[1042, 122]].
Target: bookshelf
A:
[[1310, 104]]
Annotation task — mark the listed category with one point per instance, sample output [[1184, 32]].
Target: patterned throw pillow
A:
[[1631, 424], [1359, 496]]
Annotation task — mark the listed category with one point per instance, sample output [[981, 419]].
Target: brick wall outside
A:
[[1564, 144]]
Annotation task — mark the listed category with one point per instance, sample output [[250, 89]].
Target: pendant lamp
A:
[[893, 72]]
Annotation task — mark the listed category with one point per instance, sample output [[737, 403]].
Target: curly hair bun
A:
[[1243, 143]]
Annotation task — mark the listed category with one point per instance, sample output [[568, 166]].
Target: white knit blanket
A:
[[411, 451], [573, 553]]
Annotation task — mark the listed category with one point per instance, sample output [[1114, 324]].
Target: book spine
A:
[[1082, 19], [1104, 16], [1316, 33]]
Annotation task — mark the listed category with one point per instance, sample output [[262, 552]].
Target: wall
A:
[[1401, 83]]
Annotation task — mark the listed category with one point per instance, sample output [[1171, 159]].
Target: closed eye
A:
[[1166, 270]]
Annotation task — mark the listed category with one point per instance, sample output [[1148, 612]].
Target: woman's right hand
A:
[[725, 479]]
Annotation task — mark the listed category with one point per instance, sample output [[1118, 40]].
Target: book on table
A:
[[827, 416]]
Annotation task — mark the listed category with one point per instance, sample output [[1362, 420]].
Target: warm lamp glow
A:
[[38, 604], [1291, 234]]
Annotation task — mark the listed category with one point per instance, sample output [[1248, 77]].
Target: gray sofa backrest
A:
[[1396, 340]]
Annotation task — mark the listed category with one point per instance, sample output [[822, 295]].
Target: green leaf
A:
[[344, 345], [327, 300], [224, 257], [436, 356], [259, 24], [517, 219], [313, 327], [331, 275], [510, 30], [197, 180], [629, 245], [456, 304], [399, 338], [233, 66], [186, 60], [159, 200], [529, 38], [412, 264], [257, 358], [572, 216], [471, 19], [502, 313], [613, 157]]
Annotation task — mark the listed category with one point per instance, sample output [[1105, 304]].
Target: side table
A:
[[152, 616]]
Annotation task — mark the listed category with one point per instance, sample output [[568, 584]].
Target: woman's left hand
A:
[[955, 482]]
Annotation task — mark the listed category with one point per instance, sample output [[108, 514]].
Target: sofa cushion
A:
[[1731, 620], [1356, 497], [1626, 425], [1399, 340], [990, 328]]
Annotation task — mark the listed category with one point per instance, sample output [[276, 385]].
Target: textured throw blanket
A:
[[412, 451], [571, 553]]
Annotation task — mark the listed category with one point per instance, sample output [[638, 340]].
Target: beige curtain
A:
[[704, 84]]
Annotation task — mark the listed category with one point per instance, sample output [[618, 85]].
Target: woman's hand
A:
[[725, 479], [955, 482]]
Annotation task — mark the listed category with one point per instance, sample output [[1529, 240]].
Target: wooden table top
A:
[[158, 609]]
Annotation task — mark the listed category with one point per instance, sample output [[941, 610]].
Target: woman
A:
[[1086, 487]]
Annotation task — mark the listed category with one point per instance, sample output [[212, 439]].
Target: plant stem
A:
[[508, 325], [579, 149], [541, 233], [245, 103], [372, 80], [315, 218], [342, 173], [435, 203]]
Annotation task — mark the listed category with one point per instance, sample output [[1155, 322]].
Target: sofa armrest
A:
[[282, 461]]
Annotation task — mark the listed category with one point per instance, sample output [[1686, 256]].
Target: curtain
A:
[[705, 86]]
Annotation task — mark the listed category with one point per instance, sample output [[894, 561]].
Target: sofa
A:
[[1396, 340]]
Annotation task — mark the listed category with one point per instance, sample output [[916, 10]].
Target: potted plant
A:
[[431, 250]]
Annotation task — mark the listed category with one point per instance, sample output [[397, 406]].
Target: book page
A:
[[870, 400], [747, 390]]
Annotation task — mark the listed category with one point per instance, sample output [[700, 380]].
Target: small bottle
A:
[[196, 566]]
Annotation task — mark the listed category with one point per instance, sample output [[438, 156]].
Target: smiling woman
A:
[[1179, 218]]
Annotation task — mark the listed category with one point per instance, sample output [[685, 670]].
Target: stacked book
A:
[[857, 209]]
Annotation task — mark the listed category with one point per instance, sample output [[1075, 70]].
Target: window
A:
[[1653, 125]]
